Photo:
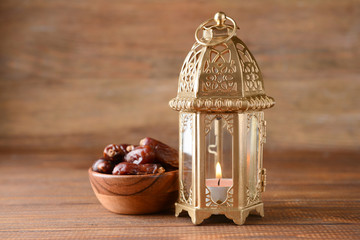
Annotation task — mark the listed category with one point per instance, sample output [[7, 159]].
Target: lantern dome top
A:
[[219, 73]]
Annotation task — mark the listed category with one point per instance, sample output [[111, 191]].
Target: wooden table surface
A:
[[75, 77], [310, 195]]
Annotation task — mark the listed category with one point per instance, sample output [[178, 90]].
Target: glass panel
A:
[[227, 154], [218, 162], [187, 153], [211, 151], [253, 144]]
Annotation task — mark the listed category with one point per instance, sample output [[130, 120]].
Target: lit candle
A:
[[219, 186]]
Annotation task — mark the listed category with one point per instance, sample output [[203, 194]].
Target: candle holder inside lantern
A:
[[221, 126]]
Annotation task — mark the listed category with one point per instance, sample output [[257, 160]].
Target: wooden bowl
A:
[[135, 194]]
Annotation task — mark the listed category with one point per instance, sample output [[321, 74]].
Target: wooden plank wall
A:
[[77, 75]]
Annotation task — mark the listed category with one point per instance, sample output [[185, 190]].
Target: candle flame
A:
[[218, 171]]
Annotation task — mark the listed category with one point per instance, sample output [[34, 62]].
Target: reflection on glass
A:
[[187, 151], [218, 157], [252, 153]]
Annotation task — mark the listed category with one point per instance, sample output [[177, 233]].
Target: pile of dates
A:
[[149, 157]]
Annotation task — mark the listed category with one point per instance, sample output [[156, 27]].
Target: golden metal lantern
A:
[[222, 128]]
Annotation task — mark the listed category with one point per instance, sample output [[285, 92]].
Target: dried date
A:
[[126, 168], [103, 165], [115, 152], [140, 155], [164, 154], [129, 148]]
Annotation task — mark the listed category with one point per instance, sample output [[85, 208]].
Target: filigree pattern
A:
[[208, 120], [251, 72], [228, 123], [218, 72], [186, 120], [185, 197], [189, 69], [253, 197], [263, 131], [250, 116], [223, 104], [227, 203]]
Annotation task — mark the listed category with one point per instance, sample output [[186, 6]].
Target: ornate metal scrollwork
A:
[[186, 120], [185, 197], [251, 72], [218, 73], [211, 204], [189, 69], [228, 123], [253, 197]]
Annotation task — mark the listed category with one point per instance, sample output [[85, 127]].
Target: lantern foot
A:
[[239, 216], [258, 210], [177, 211], [197, 215]]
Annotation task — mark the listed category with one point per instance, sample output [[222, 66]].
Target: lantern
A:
[[222, 128]]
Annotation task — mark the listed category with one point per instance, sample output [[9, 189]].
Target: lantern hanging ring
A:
[[219, 18]]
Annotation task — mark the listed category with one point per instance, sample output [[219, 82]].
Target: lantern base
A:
[[198, 215]]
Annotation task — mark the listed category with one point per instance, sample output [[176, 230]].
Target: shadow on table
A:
[[297, 213]]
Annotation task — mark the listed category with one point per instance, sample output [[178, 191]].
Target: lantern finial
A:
[[220, 18]]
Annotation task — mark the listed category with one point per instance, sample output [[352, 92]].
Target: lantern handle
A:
[[219, 18]]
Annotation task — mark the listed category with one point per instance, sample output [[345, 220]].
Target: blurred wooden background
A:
[[75, 76]]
